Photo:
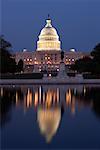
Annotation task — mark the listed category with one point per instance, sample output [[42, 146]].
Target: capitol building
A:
[[47, 56]]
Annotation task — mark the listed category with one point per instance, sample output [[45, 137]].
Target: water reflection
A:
[[50, 102], [49, 120]]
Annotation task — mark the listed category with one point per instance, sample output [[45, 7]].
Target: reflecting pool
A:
[[50, 116]]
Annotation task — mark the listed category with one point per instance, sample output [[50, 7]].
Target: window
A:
[[45, 58], [73, 59]]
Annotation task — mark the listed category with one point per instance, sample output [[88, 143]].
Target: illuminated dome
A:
[[48, 38], [49, 120]]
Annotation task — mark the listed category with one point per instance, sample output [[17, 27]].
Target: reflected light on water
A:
[[17, 98], [68, 97], [29, 98], [1, 92], [36, 99], [70, 101], [48, 120], [49, 103]]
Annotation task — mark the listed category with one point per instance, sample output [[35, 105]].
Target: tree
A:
[[20, 65], [83, 65], [96, 53], [4, 44], [87, 64], [96, 58], [7, 62]]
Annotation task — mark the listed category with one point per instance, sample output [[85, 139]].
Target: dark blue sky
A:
[[77, 22]]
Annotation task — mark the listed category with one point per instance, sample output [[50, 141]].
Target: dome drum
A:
[[48, 45]]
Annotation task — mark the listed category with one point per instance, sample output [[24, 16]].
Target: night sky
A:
[[77, 22]]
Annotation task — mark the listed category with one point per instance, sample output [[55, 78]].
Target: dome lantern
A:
[[48, 23]]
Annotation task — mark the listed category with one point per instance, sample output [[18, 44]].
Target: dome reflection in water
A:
[[49, 120]]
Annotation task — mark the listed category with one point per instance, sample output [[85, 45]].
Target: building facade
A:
[[47, 56]]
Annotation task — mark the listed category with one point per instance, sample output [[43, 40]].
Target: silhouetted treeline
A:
[[89, 64], [7, 60]]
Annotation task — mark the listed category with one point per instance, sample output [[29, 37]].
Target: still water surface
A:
[[50, 116]]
